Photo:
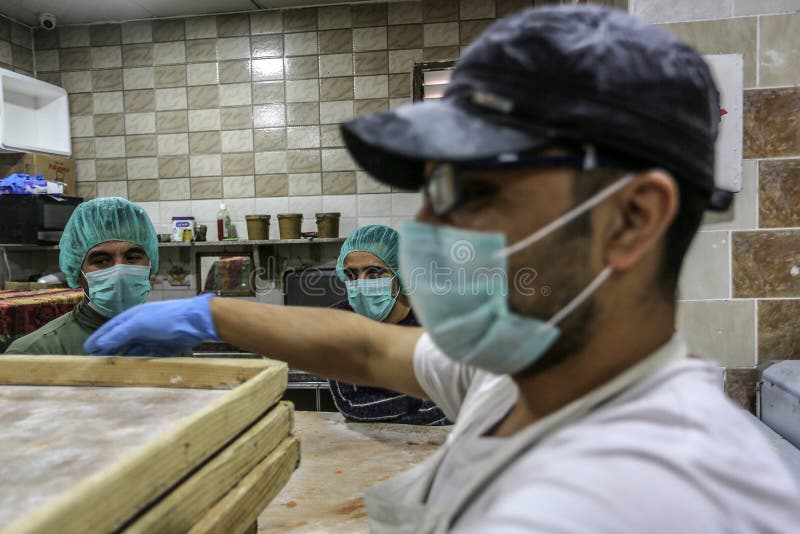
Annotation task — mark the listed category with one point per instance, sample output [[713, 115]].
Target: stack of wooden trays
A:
[[141, 445]]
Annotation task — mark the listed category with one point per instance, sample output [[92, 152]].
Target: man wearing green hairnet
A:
[[368, 265], [109, 248]]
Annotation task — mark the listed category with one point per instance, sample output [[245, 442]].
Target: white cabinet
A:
[[34, 115]]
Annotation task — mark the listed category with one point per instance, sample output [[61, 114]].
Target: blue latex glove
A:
[[159, 328]]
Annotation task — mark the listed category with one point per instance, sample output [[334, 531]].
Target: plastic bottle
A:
[[223, 223]]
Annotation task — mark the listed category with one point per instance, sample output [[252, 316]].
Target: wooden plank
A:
[[241, 506], [187, 504], [206, 373], [108, 499]]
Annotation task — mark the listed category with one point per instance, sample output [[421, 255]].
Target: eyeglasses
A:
[[443, 185]]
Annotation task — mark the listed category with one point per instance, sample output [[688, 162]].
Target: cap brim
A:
[[394, 146]]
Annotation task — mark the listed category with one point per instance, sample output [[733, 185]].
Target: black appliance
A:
[[312, 287], [34, 219]]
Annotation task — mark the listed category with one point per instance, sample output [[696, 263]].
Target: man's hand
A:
[[160, 328]]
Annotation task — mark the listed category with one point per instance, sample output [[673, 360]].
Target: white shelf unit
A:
[[34, 115]]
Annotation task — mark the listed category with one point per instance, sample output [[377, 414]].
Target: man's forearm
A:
[[332, 343]]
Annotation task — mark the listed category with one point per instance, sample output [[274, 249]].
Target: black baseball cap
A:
[[557, 75]]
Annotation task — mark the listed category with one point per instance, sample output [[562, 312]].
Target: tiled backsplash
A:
[[741, 284], [16, 47], [180, 114]]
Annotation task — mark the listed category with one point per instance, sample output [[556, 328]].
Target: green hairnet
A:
[[376, 239], [101, 220]]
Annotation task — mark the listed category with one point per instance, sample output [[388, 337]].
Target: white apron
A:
[[398, 506]]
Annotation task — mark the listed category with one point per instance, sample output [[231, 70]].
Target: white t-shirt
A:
[[671, 454]]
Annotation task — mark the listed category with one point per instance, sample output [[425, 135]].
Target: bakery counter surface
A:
[[339, 461]]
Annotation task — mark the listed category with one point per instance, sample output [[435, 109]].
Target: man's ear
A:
[[645, 210]]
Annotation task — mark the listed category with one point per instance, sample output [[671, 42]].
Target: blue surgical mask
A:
[[372, 298], [115, 289], [457, 281]]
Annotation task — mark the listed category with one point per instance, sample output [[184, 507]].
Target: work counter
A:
[[339, 461]]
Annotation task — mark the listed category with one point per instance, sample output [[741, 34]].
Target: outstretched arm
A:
[[332, 343]]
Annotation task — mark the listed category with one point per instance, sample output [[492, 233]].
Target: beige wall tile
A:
[[173, 166], [205, 165], [238, 164], [201, 50], [233, 25], [137, 55], [81, 126], [305, 184], [372, 14], [73, 36], [402, 61], [266, 46], [330, 135], [766, 264], [365, 39], [137, 32], [336, 112], [302, 137], [236, 118], [110, 147], [144, 191], [202, 97], [171, 99], [169, 30], [476, 9], [270, 162], [267, 69], [105, 57], [336, 41], [300, 44], [140, 123], [366, 63], [301, 67], [778, 330], [336, 89], [235, 94], [113, 189], [170, 76], [85, 170], [175, 189], [371, 86], [269, 115], [202, 74], [439, 10], [302, 161], [299, 20], [171, 121], [333, 17], [173, 144], [77, 81], [404, 12], [142, 168], [336, 65], [730, 36], [237, 141], [302, 91], [83, 148], [440, 34], [272, 185], [110, 169], [109, 124], [302, 113], [779, 193], [723, 330], [680, 10], [140, 100], [87, 190], [205, 143], [81, 104], [46, 60], [140, 145], [110, 102], [266, 22], [763, 7], [268, 92], [707, 267], [201, 27], [238, 186], [233, 48], [266, 139], [206, 188], [237, 71], [203, 119], [337, 159], [138, 78], [779, 55], [169, 53], [339, 183]]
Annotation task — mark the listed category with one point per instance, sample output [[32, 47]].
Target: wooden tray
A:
[[221, 441]]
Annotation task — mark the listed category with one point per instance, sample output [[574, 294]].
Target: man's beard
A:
[[571, 256]]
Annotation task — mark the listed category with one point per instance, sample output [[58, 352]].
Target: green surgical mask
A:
[[114, 290], [371, 298]]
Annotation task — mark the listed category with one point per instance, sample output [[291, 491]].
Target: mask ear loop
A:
[[580, 298], [565, 218]]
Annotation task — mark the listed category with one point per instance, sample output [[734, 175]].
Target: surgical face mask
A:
[[457, 281], [115, 289], [372, 297]]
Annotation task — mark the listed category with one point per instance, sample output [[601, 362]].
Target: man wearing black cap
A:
[[565, 173]]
